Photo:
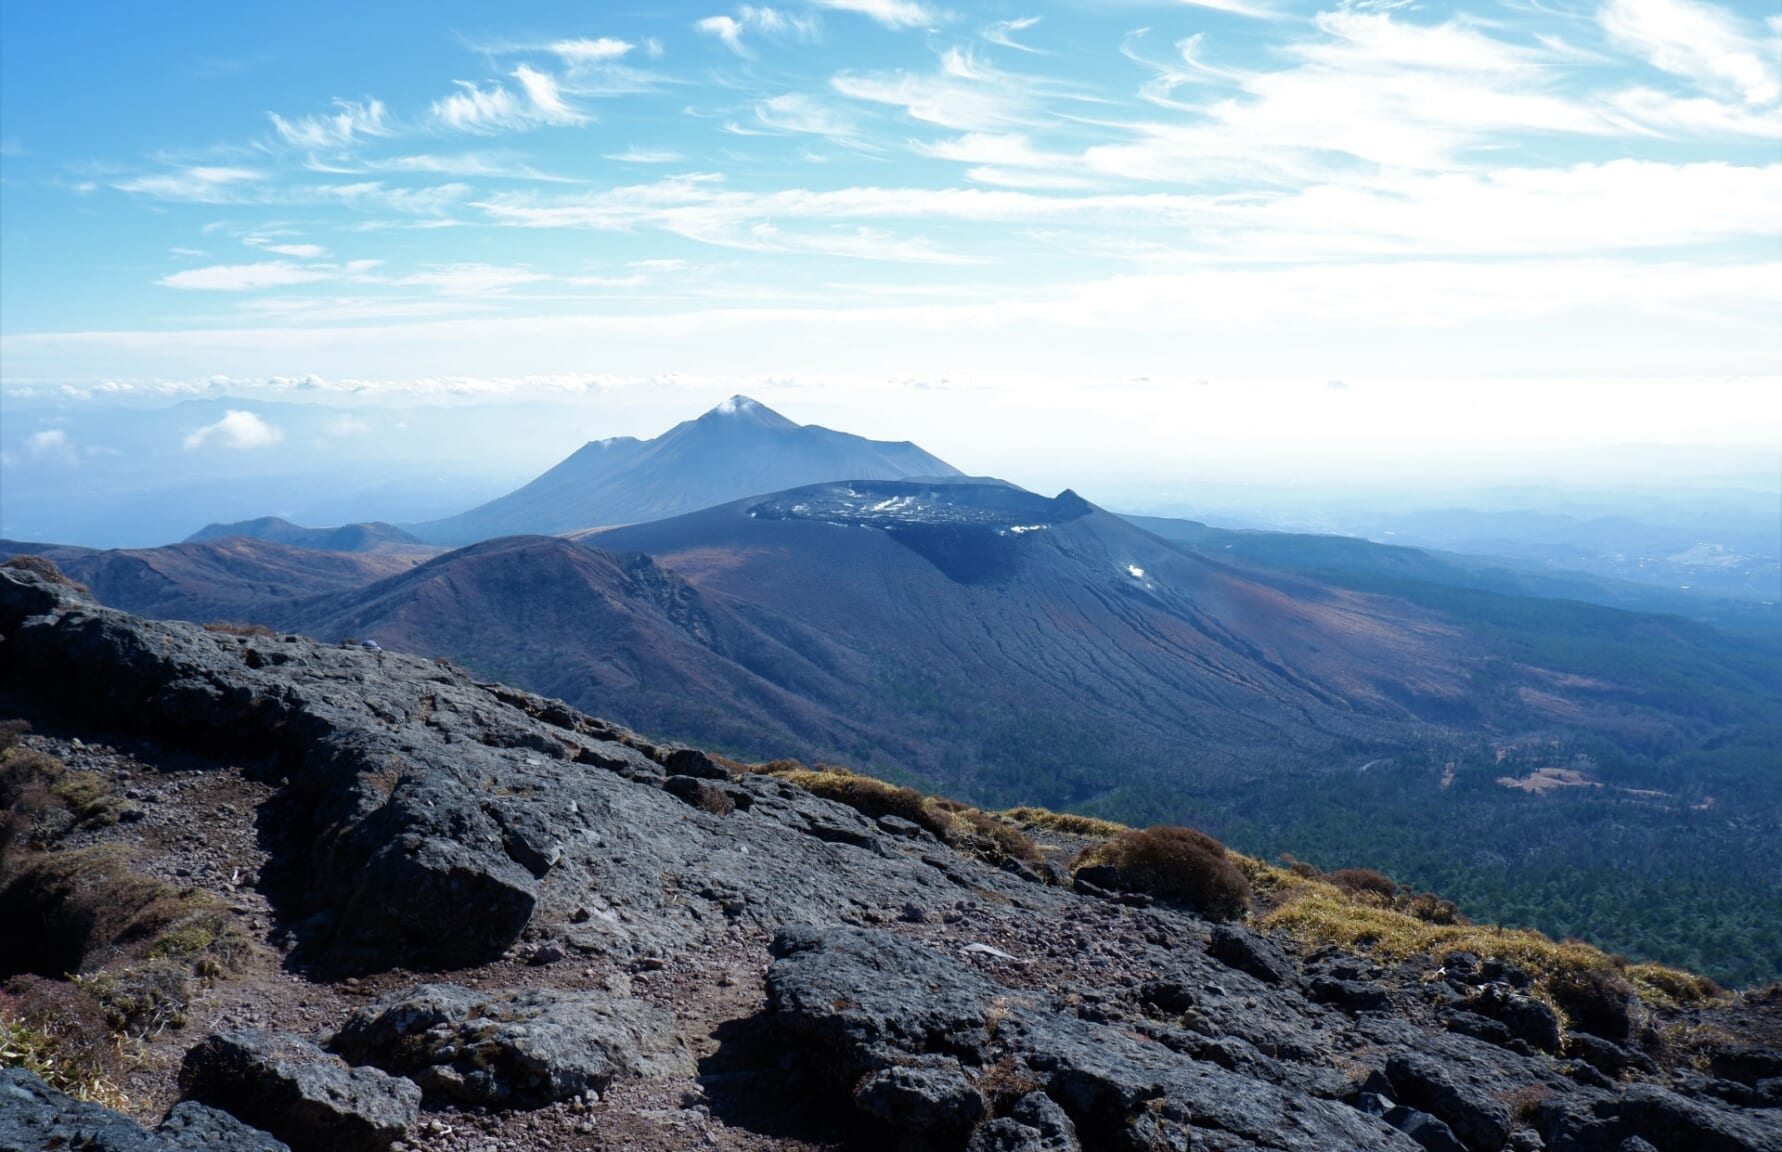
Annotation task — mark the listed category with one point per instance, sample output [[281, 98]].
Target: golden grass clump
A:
[[957, 825], [1179, 865], [1064, 823], [1320, 914], [55, 1030], [869, 797]]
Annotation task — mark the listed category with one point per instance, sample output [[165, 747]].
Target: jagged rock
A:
[[1476, 1116], [700, 793], [860, 1001], [1035, 1124], [1240, 948], [195, 1127], [1167, 995], [692, 762], [1602, 1122], [1747, 1065], [35, 1117], [933, 1098], [523, 1050], [1606, 1056], [1351, 995], [311, 1100], [1425, 1129], [1526, 1018]]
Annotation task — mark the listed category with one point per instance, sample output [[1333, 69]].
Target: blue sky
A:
[[1565, 219]]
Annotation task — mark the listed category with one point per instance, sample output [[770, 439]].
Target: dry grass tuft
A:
[[46, 568], [869, 797], [1319, 914], [231, 628], [55, 1030], [1064, 823]]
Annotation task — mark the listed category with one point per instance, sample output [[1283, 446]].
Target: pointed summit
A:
[[743, 408], [739, 448]]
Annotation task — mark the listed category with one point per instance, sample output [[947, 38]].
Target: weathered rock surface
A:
[[432, 818], [521, 1050], [311, 1100], [868, 1001], [35, 1117]]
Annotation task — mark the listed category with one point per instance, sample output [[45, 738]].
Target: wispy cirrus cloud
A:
[[898, 14], [497, 108], [1002, 34], [197, 184], [244, 277], [963, 93], [750, 20], [349, 124]]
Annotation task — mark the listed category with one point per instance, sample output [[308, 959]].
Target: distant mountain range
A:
[[369, 537], [740, 448], [234, 578]]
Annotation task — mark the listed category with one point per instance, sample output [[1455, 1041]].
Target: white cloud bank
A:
[[238, 430]]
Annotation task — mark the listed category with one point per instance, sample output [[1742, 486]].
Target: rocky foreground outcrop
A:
[[903, 995]]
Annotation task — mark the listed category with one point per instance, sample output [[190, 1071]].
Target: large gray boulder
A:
[[521, 1050], [313, 1101], [35, 1117]]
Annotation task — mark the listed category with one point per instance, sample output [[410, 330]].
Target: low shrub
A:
[[53, 1028], [1299, 867], [143, 1000], [1364, 882], [82, 903], [990, 839], [1180, 865], [89, 798], [10, 733], [1596, 1000]]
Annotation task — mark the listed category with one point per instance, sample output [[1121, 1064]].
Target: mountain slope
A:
[[1408, 571], [739, 448], [233, 578], [367, 537]]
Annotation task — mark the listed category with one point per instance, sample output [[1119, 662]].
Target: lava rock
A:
[[522, 1050], [1425, 1129], [311, 1100], [1476, 1116], [930, 1098], [693, 762], [857, 1001], [1526, 1018], [35, 1117], [1035, 1124], [200, 1128], [1240, 948]]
